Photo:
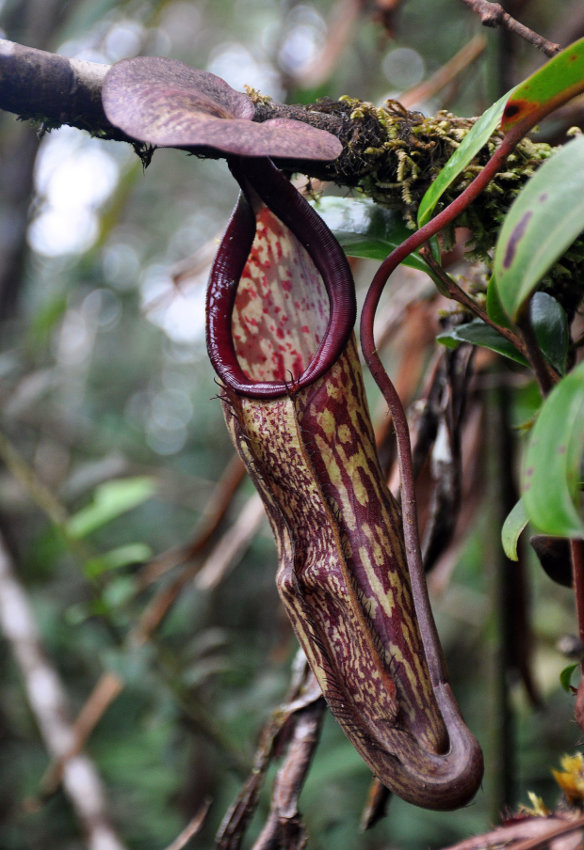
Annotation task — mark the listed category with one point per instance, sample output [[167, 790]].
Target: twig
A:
[[284, 828], [225, 554], [528, 834], [446, 74], [110, 685], [454, 291], [493, 15], [385, 13], [49, 704], [32, 485], [544, 375], [526, 344], [577, 554], [191, 829], [376, 805], [304, 700], [219, 503], [341, 30]]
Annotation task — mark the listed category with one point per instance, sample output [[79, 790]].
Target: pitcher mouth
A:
[[294, 363]]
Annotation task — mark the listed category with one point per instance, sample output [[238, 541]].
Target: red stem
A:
[[410, 521], [577, 553]]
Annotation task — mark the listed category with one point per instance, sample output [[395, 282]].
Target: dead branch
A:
[[341, 30], [295, 725], [110, 684], [228, 550], [48, 701], [529, 833], [446, 74], [191, 829], [284, 827], [493, 15], [54, 89]]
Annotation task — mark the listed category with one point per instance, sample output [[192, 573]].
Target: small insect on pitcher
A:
[[280, 313]]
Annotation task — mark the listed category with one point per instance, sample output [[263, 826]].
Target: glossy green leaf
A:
[[513, 526], [494, 307], [550, 327], [566, 676], [544, 220], [475, 139], [549, 321], [479, 333], [365, 229], [551, 475], [132, 667], [553, 84], [111, 500], [115, 559], [550, 324]]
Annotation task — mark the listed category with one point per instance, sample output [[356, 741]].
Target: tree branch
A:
[[390, 154], [49, 704], [53, 89], [494, 15]]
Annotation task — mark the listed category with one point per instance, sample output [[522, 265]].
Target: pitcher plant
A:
[[281, 308]]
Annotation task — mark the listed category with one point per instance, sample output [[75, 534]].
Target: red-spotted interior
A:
[[281, 309]]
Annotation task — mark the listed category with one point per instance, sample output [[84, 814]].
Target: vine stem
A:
[[526, 344], [577, 558], [544, 376], [577, 554], [431, 642], [458, 294]]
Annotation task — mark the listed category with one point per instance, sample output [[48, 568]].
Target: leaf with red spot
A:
[[556, 82], [551, 480], [544, 220], [166, 103]]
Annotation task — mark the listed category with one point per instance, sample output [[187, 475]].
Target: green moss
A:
[[393, 155]]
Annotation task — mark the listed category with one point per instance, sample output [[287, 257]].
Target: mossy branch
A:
[[390, 154]]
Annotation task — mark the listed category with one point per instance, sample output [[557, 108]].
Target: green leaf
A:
[[494, 307], [566, 676], [132, 666], [110, 500], [476, 138], [550, 325], [365, 229], [513, 526], [544, 220], [119, 592], [557, 81], [115, 559], [478, 332], [550, 479]]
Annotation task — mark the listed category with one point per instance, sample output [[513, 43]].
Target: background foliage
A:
[[112, 442]]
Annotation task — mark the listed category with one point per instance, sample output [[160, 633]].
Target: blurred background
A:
[[114, 460]]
